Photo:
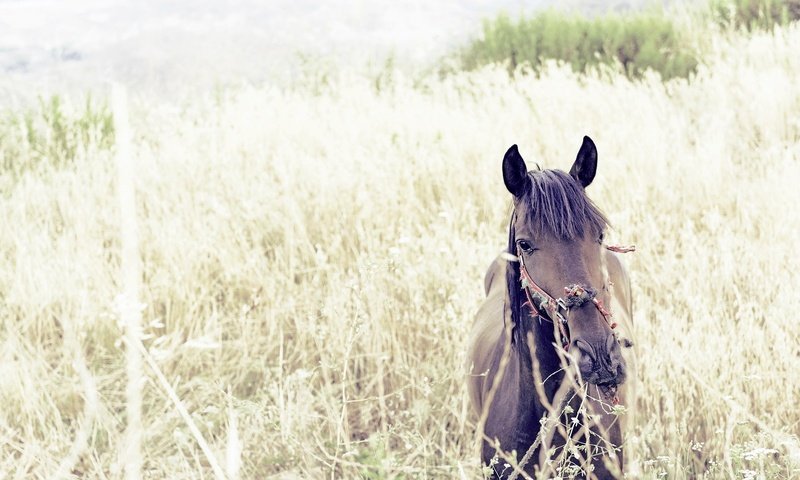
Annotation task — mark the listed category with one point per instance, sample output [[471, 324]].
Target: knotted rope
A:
[[575, 295]]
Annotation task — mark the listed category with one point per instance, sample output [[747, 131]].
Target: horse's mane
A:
[[554, 204]]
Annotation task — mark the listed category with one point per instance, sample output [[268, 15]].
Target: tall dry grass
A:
[[312, 258]]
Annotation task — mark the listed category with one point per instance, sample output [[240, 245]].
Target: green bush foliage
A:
[[637, 42], [755, 14]]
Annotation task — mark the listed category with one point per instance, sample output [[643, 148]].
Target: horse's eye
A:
[[525, 246], [600, 238]]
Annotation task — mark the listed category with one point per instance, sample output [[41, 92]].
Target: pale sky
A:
[[165, 45]]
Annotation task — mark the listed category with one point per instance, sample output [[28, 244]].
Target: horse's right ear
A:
[[515, 173]]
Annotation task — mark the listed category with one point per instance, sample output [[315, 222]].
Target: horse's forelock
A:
[[556, 204]]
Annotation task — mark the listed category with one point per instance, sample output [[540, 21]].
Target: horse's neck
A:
[[540, 362], [538, 375]]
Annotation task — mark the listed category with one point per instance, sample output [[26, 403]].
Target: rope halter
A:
[[557, 309]]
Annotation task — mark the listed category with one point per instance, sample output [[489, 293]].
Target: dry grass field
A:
[[311, 259]]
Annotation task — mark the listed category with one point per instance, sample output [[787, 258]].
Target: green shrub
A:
[[755, 14], [637, 42]]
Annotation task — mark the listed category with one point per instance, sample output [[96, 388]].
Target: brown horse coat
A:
[[510, 394]]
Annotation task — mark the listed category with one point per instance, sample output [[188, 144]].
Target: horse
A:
[[547, 375]]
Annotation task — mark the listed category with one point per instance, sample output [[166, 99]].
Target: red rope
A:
[[605, 313], [550, 304], [621, 248]]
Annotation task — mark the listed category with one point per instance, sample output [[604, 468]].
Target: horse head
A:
[[560, 276]]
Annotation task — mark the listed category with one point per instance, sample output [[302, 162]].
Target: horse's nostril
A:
[[612, 342], [584, 348], [597, 363]]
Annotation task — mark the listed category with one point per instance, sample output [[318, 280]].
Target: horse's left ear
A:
[[585, 165]]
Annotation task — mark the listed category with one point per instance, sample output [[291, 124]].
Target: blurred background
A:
[[169, 47]]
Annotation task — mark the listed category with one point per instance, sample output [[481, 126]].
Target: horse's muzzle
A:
[[600, 363]]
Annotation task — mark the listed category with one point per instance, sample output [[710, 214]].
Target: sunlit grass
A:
[[311, 265]]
